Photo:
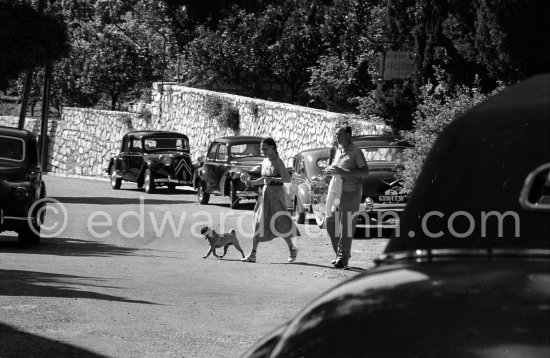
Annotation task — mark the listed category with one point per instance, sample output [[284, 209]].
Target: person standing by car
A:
[[350, 163], [271, 218]]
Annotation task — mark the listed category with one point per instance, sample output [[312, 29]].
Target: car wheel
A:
[[300, 217], [171, 187], [149, 182], [202, 196], [234, 199], [115, 182]]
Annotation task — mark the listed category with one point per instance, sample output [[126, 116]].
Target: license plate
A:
[[392, 198]]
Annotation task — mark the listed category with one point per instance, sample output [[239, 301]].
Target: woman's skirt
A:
[[271, 218]]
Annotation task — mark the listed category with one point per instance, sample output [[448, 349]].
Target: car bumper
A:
[[169, 180]]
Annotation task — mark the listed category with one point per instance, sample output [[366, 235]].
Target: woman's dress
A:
[[271, 218]]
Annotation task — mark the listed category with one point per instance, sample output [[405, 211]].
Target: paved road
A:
[[106, 285]]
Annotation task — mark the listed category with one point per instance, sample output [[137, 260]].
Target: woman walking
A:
[[271, 218]]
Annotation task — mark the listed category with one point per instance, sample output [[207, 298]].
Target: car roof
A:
[[478, 165], [15, 132], [239, 138], [141, 134]]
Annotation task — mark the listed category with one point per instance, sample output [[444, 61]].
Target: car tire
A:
[[235, 201], [300, 217], [149, 182], [171, 187], [115, 182], [202, 196]]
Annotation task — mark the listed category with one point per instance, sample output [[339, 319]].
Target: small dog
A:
[[216, 241]]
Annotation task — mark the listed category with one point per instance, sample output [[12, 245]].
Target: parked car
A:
[[468, 273], [306, 166], [152, 159], [21, 185], [383, 195], [227, 158]]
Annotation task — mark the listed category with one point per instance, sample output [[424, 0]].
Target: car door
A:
[[209, 166], [220, 166], [124, 156]]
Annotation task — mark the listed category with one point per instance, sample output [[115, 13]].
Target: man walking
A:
[[350, 163]]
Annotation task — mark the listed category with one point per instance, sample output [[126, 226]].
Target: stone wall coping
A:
[[181, 88]]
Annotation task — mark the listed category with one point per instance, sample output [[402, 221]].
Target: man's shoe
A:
[[293, 254], [249, 258], [340, 265]]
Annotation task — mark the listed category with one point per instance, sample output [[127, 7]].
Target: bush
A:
[[438, 106], [213, 107], [229, 117]]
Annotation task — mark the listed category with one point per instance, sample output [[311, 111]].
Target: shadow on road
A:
[[64, 247], [162, 191], [44, 284], [242, 206], [115, 200], [350, 268], [16, 343]]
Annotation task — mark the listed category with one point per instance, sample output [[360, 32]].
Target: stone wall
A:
[[294, 128], [82, 142]]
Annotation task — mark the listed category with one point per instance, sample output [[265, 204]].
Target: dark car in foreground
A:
[[21, 185], [227, 158], [467, 273], [383, 198], [152, 159]]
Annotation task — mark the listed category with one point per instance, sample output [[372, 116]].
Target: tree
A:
[[486, 39], [28, 39]]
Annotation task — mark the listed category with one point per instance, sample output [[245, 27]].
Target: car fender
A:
[[225, 180], [303, 195], [151, 165], [199, 174]]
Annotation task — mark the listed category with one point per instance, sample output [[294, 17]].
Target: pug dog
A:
[[217, 241]]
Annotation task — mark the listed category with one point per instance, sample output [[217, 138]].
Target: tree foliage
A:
[[487, 39], [28, 39], [439, 105]]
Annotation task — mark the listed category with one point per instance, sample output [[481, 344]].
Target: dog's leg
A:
[[225, 249], [214, 252], [209, 252], [238, 247]]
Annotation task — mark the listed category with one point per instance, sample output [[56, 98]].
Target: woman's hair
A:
[[270, 142]]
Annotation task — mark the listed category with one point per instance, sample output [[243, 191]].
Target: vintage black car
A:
[[152, 159], [383, 196], [468, 272], [21, 185], [227, 158]]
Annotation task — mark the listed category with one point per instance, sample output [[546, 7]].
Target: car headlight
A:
[[166, 159], [369, 204]]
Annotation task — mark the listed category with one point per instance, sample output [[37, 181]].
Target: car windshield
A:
[[12, 148], [384, 154], [165, 144], [246, 150]]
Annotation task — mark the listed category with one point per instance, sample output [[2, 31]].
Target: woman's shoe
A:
[[293, 254], [249, 258]]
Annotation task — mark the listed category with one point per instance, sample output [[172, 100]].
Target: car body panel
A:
[[21, 184], [471, 307], [165, 153]]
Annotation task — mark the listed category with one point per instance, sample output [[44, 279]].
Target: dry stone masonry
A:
[[82, 142]]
